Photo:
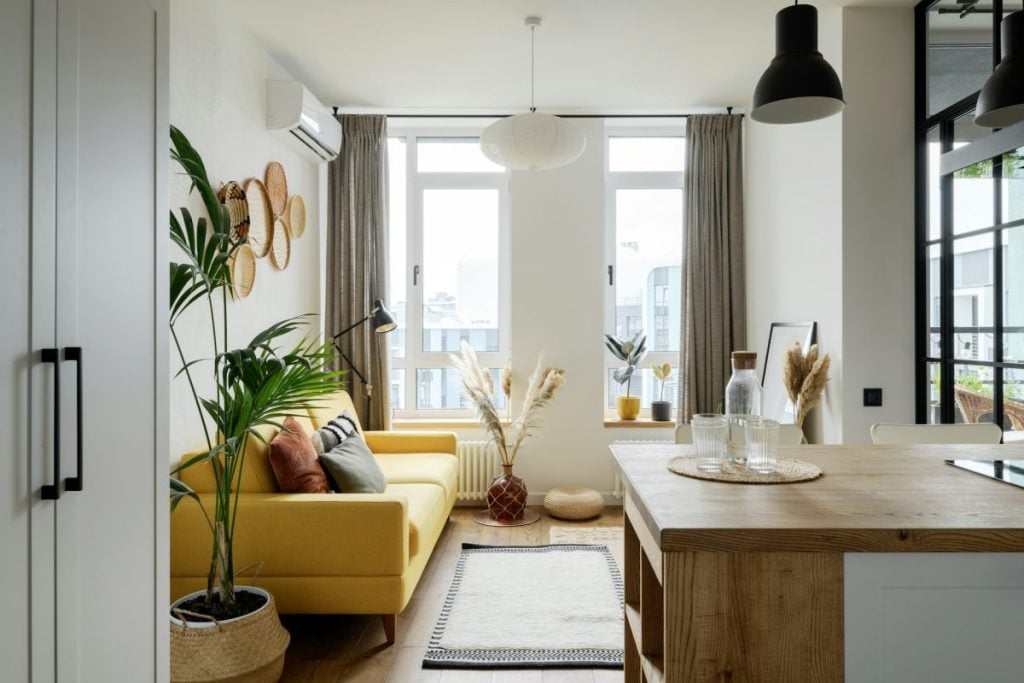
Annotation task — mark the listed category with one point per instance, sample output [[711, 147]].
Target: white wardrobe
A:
[[83, 310]]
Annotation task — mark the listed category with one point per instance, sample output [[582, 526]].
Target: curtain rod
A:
[[564, 116]]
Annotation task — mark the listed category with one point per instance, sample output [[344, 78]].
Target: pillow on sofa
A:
[[334, 432], [294, 461], [352, 468]]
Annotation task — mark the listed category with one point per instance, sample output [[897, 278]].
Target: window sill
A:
[[416, 423], [639, 423]]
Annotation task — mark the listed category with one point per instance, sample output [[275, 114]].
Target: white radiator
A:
[[478, 465], [617, 489]]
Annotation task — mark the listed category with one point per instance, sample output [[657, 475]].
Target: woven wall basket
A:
[[243, 271], [277, 187], [261, 224], [296, 215], [250, 648], [281, 245], [232, 195]]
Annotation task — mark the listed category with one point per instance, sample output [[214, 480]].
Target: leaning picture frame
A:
[[775, 403]]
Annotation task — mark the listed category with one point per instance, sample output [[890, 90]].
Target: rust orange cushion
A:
[[294, 461]]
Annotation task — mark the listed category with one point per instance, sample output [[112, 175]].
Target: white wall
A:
[[830, 224], [878, 216], [217, 84], [793, 217]]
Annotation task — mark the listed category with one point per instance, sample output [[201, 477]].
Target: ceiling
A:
[[607, 55]]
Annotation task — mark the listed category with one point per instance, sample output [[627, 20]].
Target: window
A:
[[970, 231], [644, 246], [448, 267]]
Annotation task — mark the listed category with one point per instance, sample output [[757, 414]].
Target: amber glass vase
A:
[[506, 497]]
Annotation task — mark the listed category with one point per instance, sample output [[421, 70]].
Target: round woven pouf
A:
[[573, 502]]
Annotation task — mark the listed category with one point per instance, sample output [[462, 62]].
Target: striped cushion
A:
[[334, 432]]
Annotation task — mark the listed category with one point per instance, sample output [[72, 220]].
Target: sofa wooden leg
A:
[[390, 621]]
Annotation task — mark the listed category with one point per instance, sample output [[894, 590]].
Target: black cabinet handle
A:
[[52, 491], [415, 275], [74, 353]]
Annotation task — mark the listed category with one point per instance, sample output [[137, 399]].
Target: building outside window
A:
[[644, 246]]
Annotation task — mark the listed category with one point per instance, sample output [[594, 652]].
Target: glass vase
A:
[[506, 496]]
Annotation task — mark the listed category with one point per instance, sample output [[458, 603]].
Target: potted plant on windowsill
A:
[[661, 410], [630, 352], [230, 632]]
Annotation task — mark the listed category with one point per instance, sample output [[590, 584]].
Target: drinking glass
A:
[[709, 432], [762, 438]]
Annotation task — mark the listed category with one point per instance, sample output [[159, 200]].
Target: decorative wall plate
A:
[[281, 245], [232, 195], [277, 187], [296, 215], [260, 219], [243, 270]]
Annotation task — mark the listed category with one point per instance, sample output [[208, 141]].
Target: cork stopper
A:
[[744, 360]]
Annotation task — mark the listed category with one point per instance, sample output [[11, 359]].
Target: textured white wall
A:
[[217, 98], [878, 216]]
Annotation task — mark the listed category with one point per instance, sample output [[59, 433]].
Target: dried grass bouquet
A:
[[804, 378], [478, 385]]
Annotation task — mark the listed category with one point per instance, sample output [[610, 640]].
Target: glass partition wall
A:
[[970, 226]]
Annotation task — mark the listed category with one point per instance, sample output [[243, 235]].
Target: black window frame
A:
[[925, 126]]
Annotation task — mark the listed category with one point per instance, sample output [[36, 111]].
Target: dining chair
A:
[[911, 434], [789, 435]]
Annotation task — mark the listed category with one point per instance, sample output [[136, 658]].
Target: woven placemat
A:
[[787, 471]]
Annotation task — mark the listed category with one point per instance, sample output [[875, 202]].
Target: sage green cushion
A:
[[352, 468]]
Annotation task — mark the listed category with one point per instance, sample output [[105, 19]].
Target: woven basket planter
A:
[[250, 648]]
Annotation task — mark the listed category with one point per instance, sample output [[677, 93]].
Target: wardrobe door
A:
[[22, 374], [111, 327]]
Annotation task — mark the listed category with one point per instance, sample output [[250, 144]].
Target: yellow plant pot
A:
[[628, 407]]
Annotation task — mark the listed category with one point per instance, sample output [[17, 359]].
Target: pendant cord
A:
[[533, 31]]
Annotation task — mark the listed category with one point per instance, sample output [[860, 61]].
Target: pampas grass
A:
[[478, 385], [804, 378]]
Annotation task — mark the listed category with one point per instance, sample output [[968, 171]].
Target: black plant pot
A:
[[661, 411]]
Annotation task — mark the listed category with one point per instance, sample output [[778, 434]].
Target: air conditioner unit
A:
[[292, 110]]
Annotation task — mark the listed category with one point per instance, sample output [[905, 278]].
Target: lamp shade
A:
[[383, 322], [798, 85], [1001, 100], [532, 142]]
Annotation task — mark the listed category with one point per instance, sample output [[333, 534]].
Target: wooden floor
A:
[[351, 648]]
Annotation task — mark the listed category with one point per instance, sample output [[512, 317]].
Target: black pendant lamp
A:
[[799, 85], [1001, 101]]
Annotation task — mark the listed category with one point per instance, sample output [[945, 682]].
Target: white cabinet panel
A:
[[934, 617]]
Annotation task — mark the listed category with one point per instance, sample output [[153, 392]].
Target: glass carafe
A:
[[742, 400]]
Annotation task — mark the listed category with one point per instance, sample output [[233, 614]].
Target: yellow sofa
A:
[[329, 553]]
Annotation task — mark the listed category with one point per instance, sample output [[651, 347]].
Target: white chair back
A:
[[909, 435], [789, 435]]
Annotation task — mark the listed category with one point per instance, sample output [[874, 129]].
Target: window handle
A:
[[415, 275], [611, 275]]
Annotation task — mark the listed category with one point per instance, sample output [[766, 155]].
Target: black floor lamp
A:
[[383, 322]]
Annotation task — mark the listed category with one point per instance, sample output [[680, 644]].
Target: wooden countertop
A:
[[869, 499]]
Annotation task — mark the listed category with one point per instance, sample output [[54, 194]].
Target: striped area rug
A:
[[531, 607]]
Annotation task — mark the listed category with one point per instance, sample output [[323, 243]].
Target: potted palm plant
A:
[[630, 352], [228, 631], [661, 410]]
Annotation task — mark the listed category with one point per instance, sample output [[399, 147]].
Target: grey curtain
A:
[[714, 300], [357, 252]]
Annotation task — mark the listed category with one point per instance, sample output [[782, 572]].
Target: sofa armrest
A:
[[300, 534], [411, 442]]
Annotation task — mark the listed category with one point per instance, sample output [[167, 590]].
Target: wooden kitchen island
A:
[[891, 566]]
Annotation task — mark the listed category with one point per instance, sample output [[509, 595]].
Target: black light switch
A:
[[872, 398]]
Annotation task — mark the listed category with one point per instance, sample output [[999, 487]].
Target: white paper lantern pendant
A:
[[532, 141]]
